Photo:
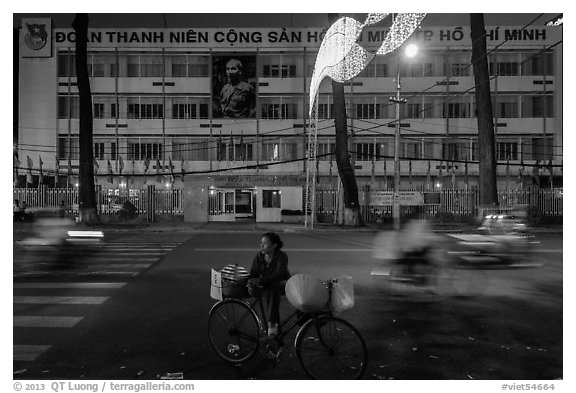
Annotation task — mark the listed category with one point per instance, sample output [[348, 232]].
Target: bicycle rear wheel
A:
[[331, 348], [234, 330]]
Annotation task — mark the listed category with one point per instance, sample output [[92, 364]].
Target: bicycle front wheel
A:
[[331, 348], [234, 330]]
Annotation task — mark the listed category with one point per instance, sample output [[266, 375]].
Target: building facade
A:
[[159, 99]]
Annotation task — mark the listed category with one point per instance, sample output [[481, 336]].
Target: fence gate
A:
[[222, 204]]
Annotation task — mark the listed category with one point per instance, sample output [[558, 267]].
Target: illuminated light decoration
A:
[[341, 58]]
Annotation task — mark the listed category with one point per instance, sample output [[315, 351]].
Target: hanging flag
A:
[[521, 174], [440, 175], [158, 177], [29, 179], [466, 174], [110, 173], [146, 167], [56, 171], [536, 173], [41, 175], [16, 163], [120, 165], [221, 148], [96, 167], [182, 169], [172, 178], [551, 170], [133, 170], [453, 171], [385, 177], [507, 173], [242, 155], [410, 173], [232, 152], [428, 177]]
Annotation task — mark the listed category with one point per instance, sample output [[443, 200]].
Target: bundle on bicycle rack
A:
[[309, 294], [234, 282]]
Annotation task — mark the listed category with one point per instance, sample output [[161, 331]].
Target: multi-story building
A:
[[157, 108]]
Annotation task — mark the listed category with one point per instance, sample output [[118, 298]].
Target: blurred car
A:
[[503, 223]]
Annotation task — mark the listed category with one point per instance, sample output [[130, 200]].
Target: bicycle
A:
[[327, 346]]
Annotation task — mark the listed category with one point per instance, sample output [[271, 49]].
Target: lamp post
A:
[[409, 52]]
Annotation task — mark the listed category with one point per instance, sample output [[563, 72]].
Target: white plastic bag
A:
[[342, 294], [216, 285], [307, 293]]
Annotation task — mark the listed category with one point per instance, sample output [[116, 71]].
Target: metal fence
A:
[[147, 201], [151, 201], [455, 202]]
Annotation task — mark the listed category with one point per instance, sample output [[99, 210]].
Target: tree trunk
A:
[[486, 138], [87, 194], [352, 216]]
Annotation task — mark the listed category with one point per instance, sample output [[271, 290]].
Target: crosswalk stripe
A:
[[49, 322], [59, 299], [29, 352], [80, 285]]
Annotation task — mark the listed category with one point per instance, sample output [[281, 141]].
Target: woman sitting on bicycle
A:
[[270, 271]]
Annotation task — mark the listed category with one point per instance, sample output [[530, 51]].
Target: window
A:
[[271, 198], [533, 64], [413, 111], [507, 68], [279, 110], [144, 108], [99, 150], [240, 151], [368, 111], [411, 150], [456, 110], [198, 66], [98, 111], [280, 151], [454, 150], [68, 107], [113, 151], [326, 151], [66, 64], [540, 105], [506, 110], [460, 69], [367, 151], [506, 151], [419, 69], [151, 65], [183, 111], [281, 65], [140, 150], [64, 147]]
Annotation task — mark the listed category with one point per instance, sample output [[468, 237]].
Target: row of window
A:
[[105, 64], [154, 107], [284, 149]]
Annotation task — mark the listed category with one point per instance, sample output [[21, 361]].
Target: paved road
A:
[[156, 322]]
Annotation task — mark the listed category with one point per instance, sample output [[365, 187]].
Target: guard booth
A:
[[233, 198], [225, 204]]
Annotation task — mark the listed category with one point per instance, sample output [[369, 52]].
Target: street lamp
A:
[[410, 51]]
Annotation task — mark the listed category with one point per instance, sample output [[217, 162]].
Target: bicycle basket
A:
[[307, 293], [234, 281]]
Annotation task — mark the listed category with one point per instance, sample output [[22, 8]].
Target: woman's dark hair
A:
[[275, 239]]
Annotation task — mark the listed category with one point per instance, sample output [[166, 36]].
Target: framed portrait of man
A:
[[234, 86]]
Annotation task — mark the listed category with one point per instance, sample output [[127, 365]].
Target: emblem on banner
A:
[[36, 37]]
